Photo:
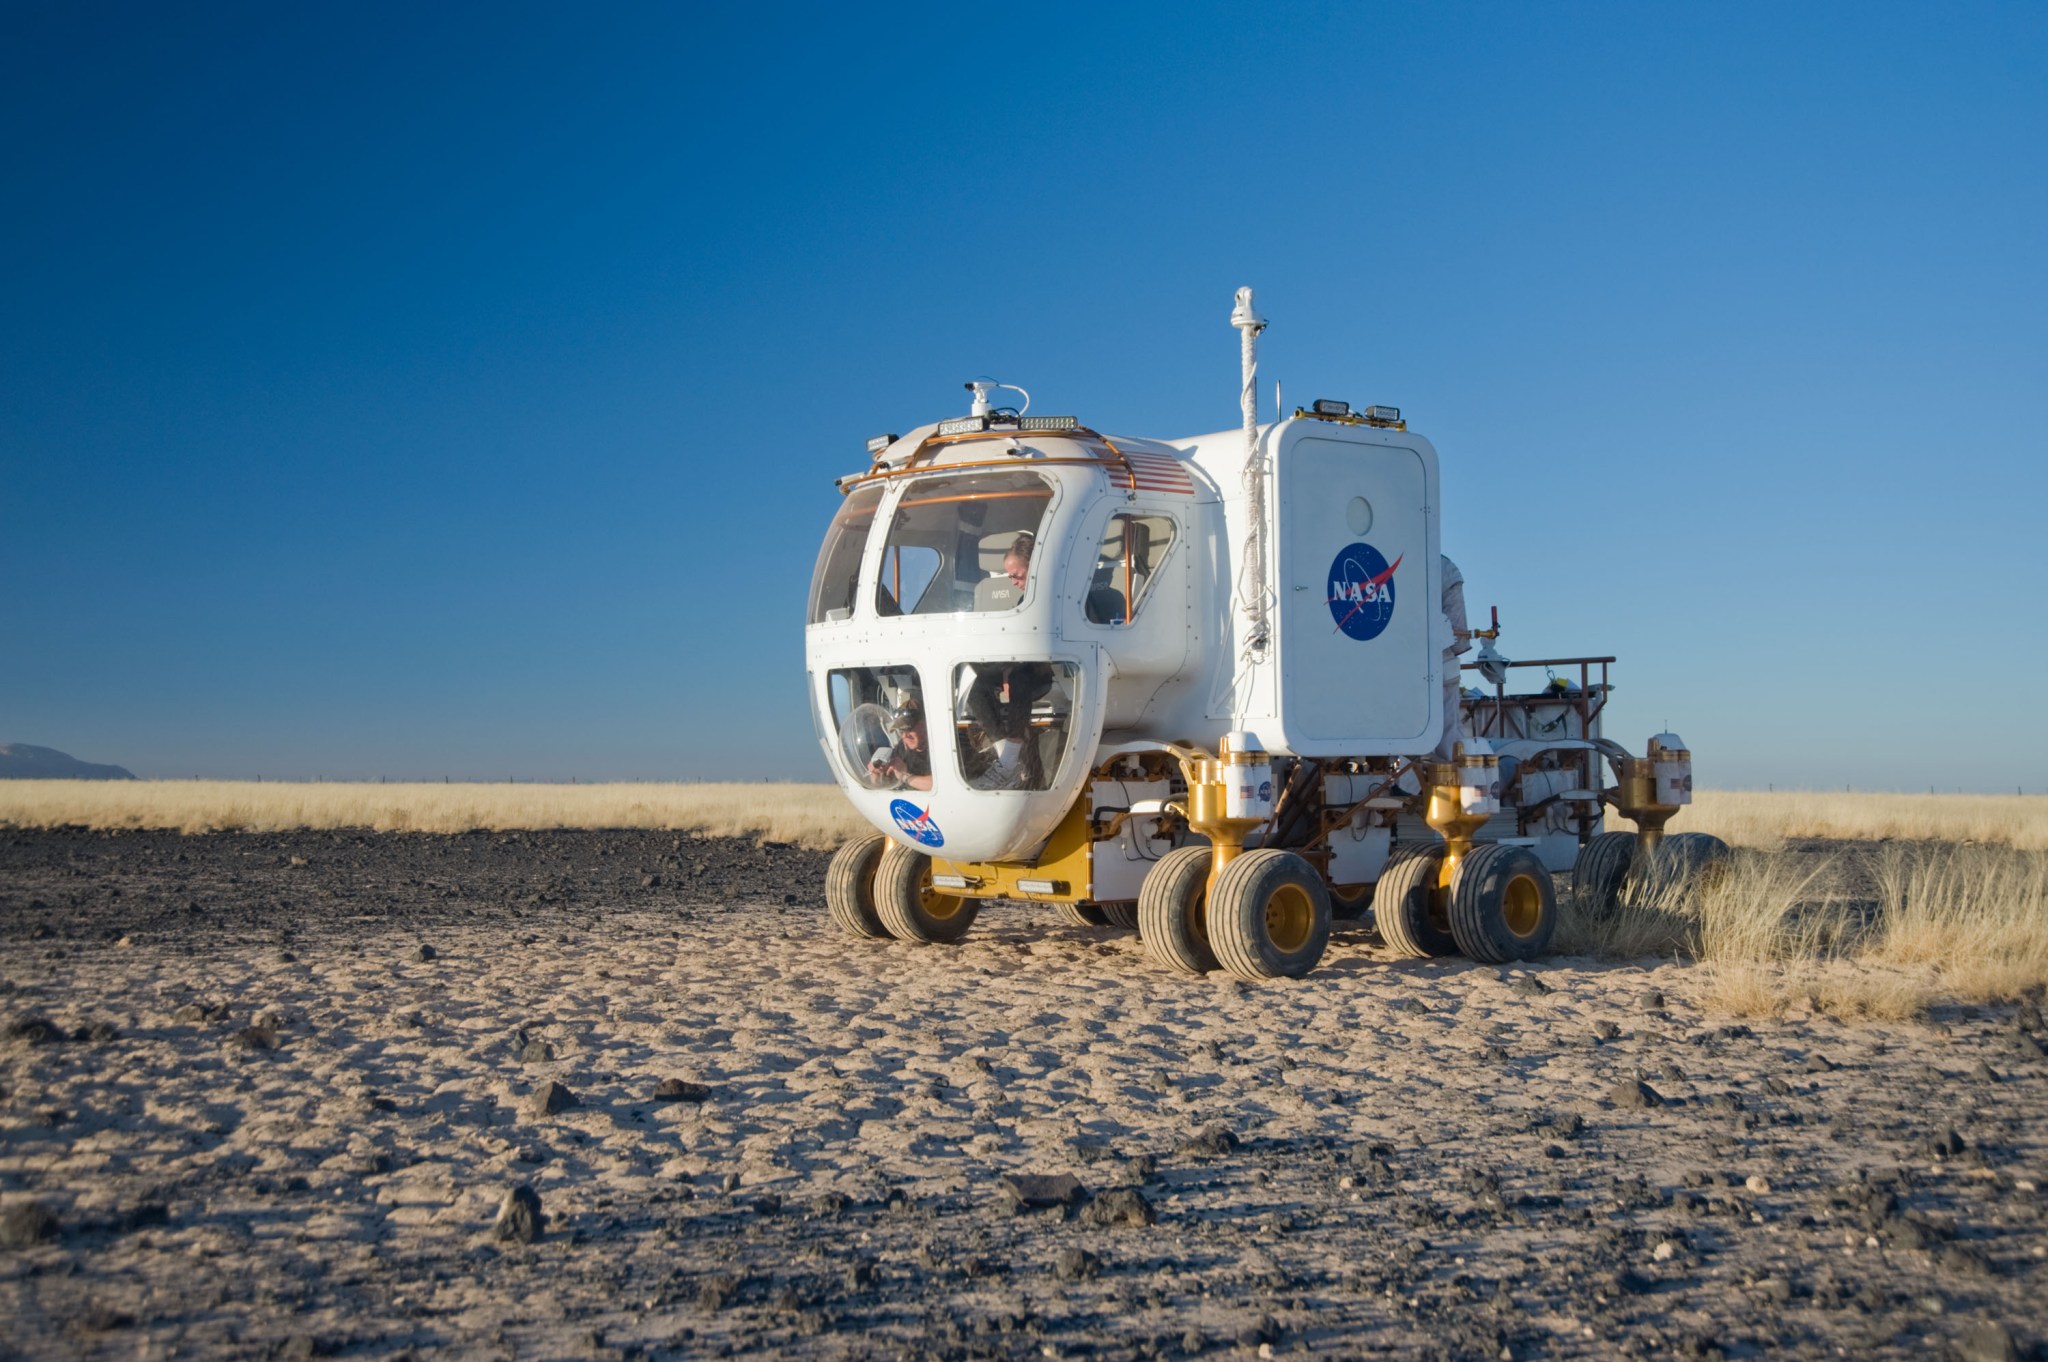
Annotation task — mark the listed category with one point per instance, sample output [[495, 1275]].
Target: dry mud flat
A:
[[266, 1095]]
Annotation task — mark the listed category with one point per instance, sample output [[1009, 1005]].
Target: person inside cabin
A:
[[907, 762], [1007, 591], [999, 703]]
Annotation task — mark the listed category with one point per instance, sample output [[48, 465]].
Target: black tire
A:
[[1503, 904], [1600, 873], [1124, 915], [1083, 914], [908, 905], [1173, 905], [1701, 855], [850, 887], [1412, 914], [1269, 916]]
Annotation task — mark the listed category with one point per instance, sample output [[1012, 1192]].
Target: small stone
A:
[[1653, 1001], [1497, 1054], [425, 953], [1987, 1341], [520, 1218], [300, 1347], [1075, 1263], [677, 1090], [549, 1098], [1758, 1183], [536, 1052], [1665, 1251], [1819, 1064], [100, 1033], [1211, 1142], [26, 1223], [35, 1030], [1413, 1006], [859, 1275], [1554, 1151], [650, 881], [714, 1292], [1123, 1206], [1529, 986], [1777, 1087], [1984, 1072], [253, 1038], [1635, 1095], [1042, 1189], [1947, 1144]]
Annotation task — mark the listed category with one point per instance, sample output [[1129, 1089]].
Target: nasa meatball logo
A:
[[1362, 591], [916, 823]]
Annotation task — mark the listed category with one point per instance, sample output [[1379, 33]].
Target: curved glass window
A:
[[1014, 722], [837, 576], [962, 543], [1131, 552], [884, 738]]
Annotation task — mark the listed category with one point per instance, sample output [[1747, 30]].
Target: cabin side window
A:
[[837, 576], [1013, 722], [1131, 552], [962, 542], [884, 736]]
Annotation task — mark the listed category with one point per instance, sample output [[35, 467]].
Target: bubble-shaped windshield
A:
[[962, 542]]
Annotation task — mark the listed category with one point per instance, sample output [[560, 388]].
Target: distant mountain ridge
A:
[[19, 761]]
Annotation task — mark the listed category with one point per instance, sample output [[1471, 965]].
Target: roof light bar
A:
[[882, 442], [1330, 406], [963, 425], [1386, 414], [1047, 423]]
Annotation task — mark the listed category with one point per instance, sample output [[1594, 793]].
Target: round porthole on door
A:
[[1358, 515]]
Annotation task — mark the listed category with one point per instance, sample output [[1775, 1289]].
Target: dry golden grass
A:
[[1885, 932], [815, 816], [1765, 819]]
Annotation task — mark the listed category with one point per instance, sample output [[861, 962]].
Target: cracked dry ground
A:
[[245, 1114]]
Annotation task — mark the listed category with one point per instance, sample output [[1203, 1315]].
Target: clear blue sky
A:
[[423, 390]]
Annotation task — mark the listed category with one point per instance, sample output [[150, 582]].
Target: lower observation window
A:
[[1014, 722]]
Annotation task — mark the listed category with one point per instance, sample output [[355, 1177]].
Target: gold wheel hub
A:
[[938, 906], [1290, 918], [1521, 906]]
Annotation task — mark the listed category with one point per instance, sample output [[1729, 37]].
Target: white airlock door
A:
[[1359, 584]]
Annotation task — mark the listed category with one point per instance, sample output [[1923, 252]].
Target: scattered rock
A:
[[536, 1052], [1529, 986], [1211, 1142], [1606, 1030], [1042, 1189], [1073, 1264], [676, 1090], [99, 1033], [35, 1030], [520, 1218], [1947, 1144], [1819, 1064], [1987, 1341], [1497, 1054], [1653, 1001], [549, 1098], [1123, 1206], [253, 1038], [1758, 1184], [425, 953], [26, 1223], [1413, 1006], [713, 1293], [199, 1013], [1635, 1095], [299, 1347]]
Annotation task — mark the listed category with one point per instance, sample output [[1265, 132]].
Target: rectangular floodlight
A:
[[963, 425], [1047, 423]]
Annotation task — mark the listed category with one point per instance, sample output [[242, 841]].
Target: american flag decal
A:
[[1158, 473]]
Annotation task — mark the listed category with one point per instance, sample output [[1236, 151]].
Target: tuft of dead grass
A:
[[814, 816], [1881, 932]]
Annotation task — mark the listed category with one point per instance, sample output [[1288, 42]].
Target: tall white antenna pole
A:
[[1249, 324]]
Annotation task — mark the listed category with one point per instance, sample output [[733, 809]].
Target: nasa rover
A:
[[1206, 687]]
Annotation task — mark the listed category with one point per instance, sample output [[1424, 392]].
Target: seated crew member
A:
[[1000, 703], [909, 762]]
